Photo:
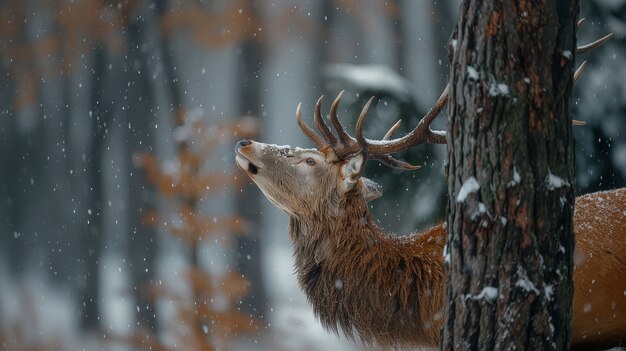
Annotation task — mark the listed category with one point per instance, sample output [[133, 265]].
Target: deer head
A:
[[301, 181]]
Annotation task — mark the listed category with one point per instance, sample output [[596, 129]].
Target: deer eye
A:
[[310, 161]]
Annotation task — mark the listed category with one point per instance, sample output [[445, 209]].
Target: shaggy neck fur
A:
[[360, 280]]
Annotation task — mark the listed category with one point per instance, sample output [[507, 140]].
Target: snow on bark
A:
[[469, 186], [554, 182], [472, 73], [489, 293], [516, 179]]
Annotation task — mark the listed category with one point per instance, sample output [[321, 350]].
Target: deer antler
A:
[[343, 144], [583, 49], [317, 140]]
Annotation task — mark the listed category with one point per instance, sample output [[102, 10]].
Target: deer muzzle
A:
[[246, 156]]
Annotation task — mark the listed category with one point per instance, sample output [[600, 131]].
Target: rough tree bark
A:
[[511, 176]]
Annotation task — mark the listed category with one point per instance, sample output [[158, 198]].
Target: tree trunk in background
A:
[[10, 167], [398, 33], [248, 246], [10, 247], [178, 112], [511, 176], [91, 236], [27, 162], [139, 112]]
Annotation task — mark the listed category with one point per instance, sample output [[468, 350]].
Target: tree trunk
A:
[[511, 176], [142, 240], [91, 237], [248, 249]]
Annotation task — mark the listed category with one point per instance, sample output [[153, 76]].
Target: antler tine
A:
[[420, 135], [321, 124], [344, 137], [379, 150], [392, 130], [436, 109], [315, 138], [579, 71], [594, 45], [577, 74], [359, 125], [389, 161], [582, 50]]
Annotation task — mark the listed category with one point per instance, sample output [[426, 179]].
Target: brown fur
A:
[[599, 308], [359, 279], [390, 290]]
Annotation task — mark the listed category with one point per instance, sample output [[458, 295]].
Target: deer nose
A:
[[243, 143]]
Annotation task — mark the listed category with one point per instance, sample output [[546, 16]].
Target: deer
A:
[[390, 290]]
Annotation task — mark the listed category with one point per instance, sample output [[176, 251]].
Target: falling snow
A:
[[90, 118]]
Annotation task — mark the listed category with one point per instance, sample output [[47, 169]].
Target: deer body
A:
[[599, 307], [390, 290], [360, 280]]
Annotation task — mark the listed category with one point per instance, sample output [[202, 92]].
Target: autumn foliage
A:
[[204, 303]]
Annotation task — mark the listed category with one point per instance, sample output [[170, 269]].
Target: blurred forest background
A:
[[124, 223]]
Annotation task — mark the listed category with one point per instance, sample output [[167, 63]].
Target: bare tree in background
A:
[[140, 114], [248, 246], [91, 240], [511, 176]]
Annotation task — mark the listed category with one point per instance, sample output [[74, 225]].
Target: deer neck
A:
[[366, 283], [352, 223]]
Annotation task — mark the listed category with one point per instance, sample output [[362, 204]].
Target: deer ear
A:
[[370, 189], [350, 171]]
